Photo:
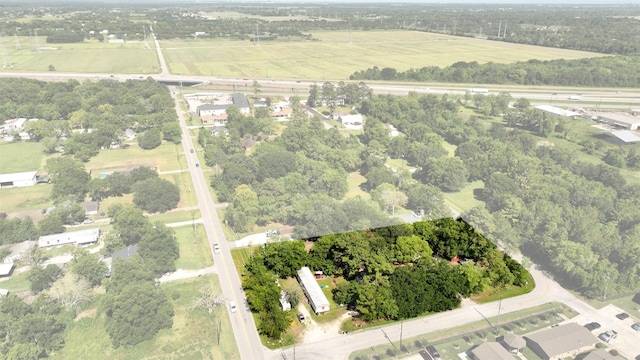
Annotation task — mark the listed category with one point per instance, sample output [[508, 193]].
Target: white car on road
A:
[[232, 306], [216, 249]]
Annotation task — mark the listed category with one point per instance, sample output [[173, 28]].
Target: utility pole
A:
[[504, 32], [500, 28], [401, 321], [499, 309], [257, 34], [606, 285]]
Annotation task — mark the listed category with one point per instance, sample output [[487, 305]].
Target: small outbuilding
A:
[[312, 290], [514, 343], [91, 207], [6, 269]]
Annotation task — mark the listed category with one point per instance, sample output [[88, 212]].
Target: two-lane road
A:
[[244, 328]]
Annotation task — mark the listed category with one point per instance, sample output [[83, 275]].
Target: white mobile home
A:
[[312, 290], [81, 237]]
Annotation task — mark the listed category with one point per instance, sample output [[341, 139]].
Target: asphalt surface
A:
[[244, 328]]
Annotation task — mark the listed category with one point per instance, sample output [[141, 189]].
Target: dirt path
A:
[[318, 332]]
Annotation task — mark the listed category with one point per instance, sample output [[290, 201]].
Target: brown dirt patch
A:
[[35, 215], [86, 313]]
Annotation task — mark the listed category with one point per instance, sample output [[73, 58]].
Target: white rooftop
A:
[[621, 117], [626, 136], [22, 176], [71, 237], [311, 285], [556, 110], [5, 268]]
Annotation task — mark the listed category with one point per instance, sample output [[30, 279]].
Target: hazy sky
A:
[[554, 2]]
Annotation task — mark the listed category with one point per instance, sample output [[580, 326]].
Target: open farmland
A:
[[333, 57], [89, 56]]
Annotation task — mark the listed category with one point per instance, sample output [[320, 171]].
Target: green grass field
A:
[[166, 157], [17, 282], [175, 216], [187, 194], [193, 336], [333, 57], [21, 156], [354, 180], [89, 56], [194, 248], [464, 199], [25, 198]]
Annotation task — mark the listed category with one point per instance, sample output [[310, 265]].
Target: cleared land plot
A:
[[194, 248], [20, 156], [334, 58], [463, 200], [166, 157], [89, 56], [25, 198], [193, 335]]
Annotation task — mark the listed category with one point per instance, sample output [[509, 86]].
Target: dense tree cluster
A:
[[16, 230], [390, 272], [574, 217], [135, 308], [157, 244], [104, 109], [64, 38], [30, 331], [599, 72]]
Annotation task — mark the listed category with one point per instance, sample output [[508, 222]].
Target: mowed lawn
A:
[[166, 157], [89, 57], [194, 248], [333, 57], [21, 156], [193, 336]]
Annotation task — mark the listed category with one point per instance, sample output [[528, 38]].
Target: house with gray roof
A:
[[562, 341], [490, 351], [600, 354]]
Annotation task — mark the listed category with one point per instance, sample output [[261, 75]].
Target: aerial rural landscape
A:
[[303, 180]]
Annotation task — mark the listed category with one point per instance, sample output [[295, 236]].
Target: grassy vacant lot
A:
[[333, 57], [166, 157], [25, 198], [21, 156], [187, 194], [89, 56], [464, 199], [194, 248], [354, 180], [193, 336], [176, 216], [17, 282]]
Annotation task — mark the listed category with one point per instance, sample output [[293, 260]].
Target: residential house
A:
[[351, 121], [6, 269], [91, 207], [217, 113], [80, 237], [600, 354], [312, 290], [514, 343], [219, 131]]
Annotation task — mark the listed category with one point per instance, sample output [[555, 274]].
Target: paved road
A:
[[244, 328], [547, 290], [164, 70]]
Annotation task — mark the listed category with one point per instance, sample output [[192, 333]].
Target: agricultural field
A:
[[90, 56], [334, 57]]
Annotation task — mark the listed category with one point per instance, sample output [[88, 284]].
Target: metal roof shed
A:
[[6, 269], [317, 299]]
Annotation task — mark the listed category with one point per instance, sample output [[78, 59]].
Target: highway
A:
[[243, 325]]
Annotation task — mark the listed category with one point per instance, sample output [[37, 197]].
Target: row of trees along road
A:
[[589, 72], [380, 272]]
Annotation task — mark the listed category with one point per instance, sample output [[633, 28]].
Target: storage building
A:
[[28, 178], [621, 120]]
